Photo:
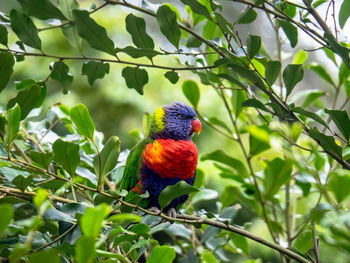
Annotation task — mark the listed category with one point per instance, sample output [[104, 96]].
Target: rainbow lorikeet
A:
[[165, 157]]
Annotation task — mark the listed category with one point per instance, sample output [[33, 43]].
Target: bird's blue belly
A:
[[154, 184]]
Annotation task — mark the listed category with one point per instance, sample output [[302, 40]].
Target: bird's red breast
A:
[[171, 159]]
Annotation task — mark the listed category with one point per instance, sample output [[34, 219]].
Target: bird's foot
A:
[[155, 209], [171, 212]]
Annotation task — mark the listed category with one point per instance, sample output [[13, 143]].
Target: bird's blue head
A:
[[176, 121]]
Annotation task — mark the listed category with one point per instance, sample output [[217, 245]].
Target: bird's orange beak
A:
[[196, 126]]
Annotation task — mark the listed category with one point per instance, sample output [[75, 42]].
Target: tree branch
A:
[[31, 54], [193, 220]]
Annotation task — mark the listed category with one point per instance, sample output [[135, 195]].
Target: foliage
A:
[[285, 169]]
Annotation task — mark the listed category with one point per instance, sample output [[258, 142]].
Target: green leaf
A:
[[172, 76], [95, 70], [168, 25], [290, 11], [3, 35], [50, 255], [215, 121], [240, 242], [344, 73], [193, 41], [330, 54], [70, 32], [327, 142], [229, 196], [272, 71], [41, 159], [173, 191], [277, 173], [109, 156], [6, 68], [322, 72], [67, 155], [81, 118], [338, 183], [135, 78], [247, 16], [28, 99], [91, 221], [253, 45], [138, 52], [255, 104], [308, 96], [211, 30], [107, 254], [232, 79], [339, 49], [124, 219], [24, 84], [248, 74], [6, 211], [198, 8], [292, 74], [344, 13], [42, 9], [304, 241], [40, 197], [13, 118], [22, 182], [85, 249], [25, 29], [207, 256], [191, 91], [61, 73], [311, 115], [136, 27], [259, 140], [291, 32], [199, 181], [341, 120], [162, 254], [300, 57], [221, 157], [237, 98], [346, 153], [92, 32]]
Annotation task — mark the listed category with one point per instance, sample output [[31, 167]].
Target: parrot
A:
[[165, 157]]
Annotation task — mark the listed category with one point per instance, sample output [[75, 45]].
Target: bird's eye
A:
[[180, 117]]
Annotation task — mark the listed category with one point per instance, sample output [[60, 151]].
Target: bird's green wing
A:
[[132, 165]]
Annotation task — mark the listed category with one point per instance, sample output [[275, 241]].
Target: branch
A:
[[56, 239], [193, 220], [315, 240], [31, 54], [18, 193], [318, 18]]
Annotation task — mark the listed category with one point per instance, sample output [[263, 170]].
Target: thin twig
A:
[[16, 52], [315, 240], [56, 239]]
